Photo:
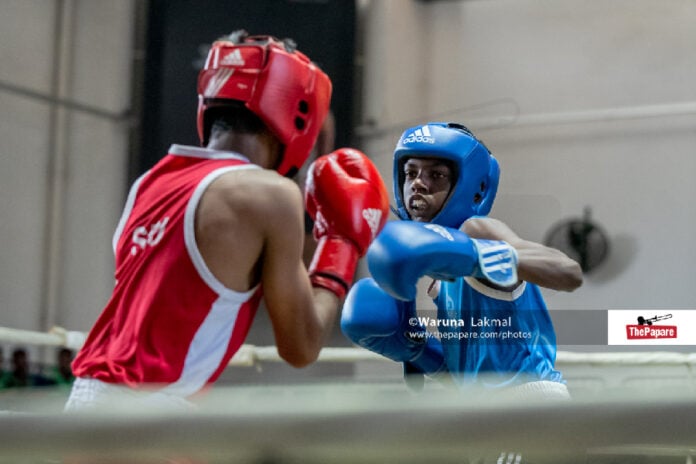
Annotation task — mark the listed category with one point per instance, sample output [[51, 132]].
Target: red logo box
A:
[[646, 332]]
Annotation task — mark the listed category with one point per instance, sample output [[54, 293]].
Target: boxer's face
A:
[[427, 184]]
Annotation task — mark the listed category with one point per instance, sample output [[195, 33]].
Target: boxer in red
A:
[[208, 232]]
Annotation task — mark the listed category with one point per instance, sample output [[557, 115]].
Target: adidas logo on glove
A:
[[497, 261], [373, 217], [440, 230]]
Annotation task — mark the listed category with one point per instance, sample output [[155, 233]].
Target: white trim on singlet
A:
[[190, 215], [494, 293], [208, 347], [177, 150], [212, 339], [198, 152], [190, 236], [127, 209]]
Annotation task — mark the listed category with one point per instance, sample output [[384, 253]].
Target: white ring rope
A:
[[251, 355], [57, 336]]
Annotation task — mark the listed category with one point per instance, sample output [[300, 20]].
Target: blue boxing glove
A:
[[375, 321], [405, 251]]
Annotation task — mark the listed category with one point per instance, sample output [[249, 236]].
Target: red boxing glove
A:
[[347, 199]]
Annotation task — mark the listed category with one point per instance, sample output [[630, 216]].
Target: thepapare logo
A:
[[646, 330], [421, 135], [148, 236]]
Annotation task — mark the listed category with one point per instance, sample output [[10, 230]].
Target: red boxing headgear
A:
[[279, 84]]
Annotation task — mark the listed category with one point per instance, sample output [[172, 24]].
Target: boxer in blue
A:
[[485, 277]]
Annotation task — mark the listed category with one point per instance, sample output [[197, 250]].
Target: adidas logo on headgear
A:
[[421, 135], [233, 59]]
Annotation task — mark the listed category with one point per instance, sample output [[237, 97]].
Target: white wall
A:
[[584, 104], [62, 170], [511, 69]]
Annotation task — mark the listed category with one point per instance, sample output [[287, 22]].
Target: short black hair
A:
[[232, 115]]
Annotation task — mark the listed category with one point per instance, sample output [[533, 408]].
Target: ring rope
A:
[[251, 355], [57, 336]]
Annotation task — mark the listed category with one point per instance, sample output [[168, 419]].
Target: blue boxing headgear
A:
[[476, 171]]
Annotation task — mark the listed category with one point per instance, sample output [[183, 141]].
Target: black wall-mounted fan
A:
[[581, 239]]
